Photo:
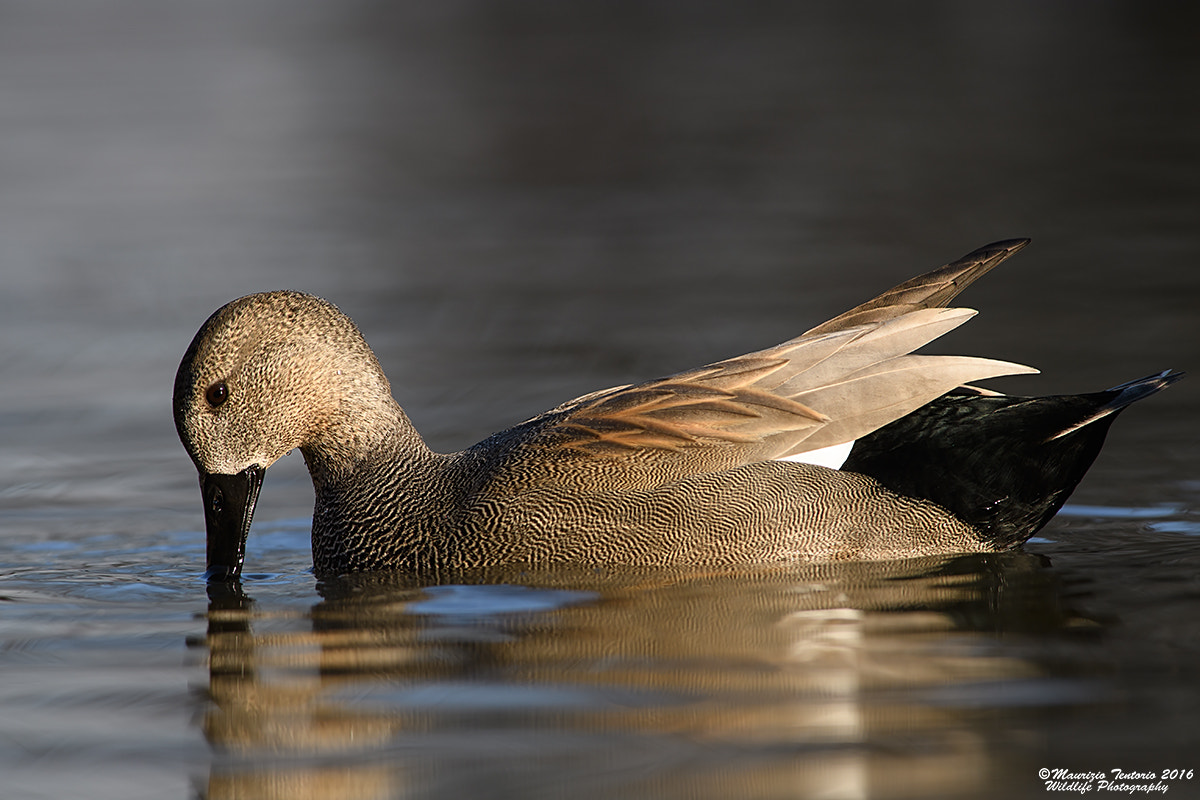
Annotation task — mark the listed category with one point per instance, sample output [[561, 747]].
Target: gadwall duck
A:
[[708, 466]]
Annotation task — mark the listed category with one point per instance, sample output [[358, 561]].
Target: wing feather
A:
[[835, 383], [933, 289]]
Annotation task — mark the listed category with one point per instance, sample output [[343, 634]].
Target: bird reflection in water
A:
[[856, 680]]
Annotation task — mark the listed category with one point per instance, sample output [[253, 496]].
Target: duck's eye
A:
[[217, 394]]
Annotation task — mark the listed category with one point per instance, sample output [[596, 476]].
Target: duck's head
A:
[[266, 374]]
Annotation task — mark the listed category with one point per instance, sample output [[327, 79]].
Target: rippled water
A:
[[520, 203], [955, 677]]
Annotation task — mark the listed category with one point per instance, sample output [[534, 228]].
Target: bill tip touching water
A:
[[708, 466]]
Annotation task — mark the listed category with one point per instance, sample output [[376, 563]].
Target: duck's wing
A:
[[833, 384], [934, 289]]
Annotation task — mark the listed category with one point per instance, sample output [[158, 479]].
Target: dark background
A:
[[520, 202]]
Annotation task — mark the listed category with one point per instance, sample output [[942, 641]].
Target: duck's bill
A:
[[228, 508]]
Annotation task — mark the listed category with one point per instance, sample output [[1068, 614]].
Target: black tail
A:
[[1003, 464]]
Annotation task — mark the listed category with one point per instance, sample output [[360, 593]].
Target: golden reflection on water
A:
[[806, 681]]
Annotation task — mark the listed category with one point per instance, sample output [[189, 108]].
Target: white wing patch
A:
[[833, 456]]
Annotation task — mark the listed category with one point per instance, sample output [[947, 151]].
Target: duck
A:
[[840, 444]]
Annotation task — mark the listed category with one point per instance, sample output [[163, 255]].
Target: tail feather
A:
[[1003, 464], [1126, 394]]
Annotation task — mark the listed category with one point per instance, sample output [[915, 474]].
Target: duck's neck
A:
[[378, 491]]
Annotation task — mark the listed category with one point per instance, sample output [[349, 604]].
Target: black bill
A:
[[228, 508]]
